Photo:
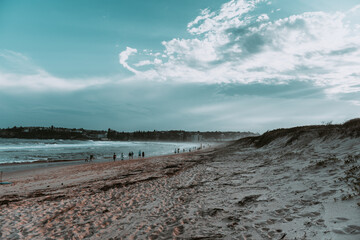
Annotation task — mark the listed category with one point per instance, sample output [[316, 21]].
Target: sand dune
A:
[[300, 183]]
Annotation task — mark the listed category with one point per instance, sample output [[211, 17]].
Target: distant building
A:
[[196, 138], [97, 135], [76, 131], [222, 136], [102, 135]]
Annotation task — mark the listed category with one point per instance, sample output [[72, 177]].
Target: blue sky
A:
[[171, 64]]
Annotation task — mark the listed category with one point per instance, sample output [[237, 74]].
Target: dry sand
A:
[[308, 189]]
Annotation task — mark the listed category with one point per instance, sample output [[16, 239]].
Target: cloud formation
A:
[[244, 43], [19, 74], [43, 81], [123, 57]]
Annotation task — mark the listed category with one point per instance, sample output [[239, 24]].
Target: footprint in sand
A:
[[350, 230], [342, 219], [327, 193], [320, 222], [310, 214]]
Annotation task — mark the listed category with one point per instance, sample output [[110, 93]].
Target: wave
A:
[[24, 150]]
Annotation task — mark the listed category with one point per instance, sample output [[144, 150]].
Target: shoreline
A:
[[26, 182], [8, 168], [100, 156], [30, 165]]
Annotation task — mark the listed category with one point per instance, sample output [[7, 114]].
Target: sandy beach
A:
[[180, 120], [300, 184]]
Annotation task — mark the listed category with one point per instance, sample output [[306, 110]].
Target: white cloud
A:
[[228, 16], [22, 75], [124, 56], [236, 45], [43, 81], [13, 56], [148, 62], [262, 17], [355, 9], [191, 50], [157, 61], [143, 63]]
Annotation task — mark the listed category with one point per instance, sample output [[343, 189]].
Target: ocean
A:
[[34, 150]]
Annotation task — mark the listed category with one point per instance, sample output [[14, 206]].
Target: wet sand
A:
[[15, 167], [232, 192]]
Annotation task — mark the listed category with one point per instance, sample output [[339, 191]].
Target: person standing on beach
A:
[[139, 153], [114, 157], [122, 156], [143, 154]]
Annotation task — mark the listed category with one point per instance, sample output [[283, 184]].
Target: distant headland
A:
[[112, 135]]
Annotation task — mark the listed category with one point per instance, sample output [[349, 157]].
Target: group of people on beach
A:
[[130, 155], [89, 159], [142, 154], [177, 150]]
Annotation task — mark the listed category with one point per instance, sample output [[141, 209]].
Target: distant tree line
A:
[[83, 134]]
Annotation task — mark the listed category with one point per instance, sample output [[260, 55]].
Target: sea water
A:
[[33, 150]]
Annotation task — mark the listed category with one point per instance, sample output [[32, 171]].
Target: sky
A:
[[207, 65]]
